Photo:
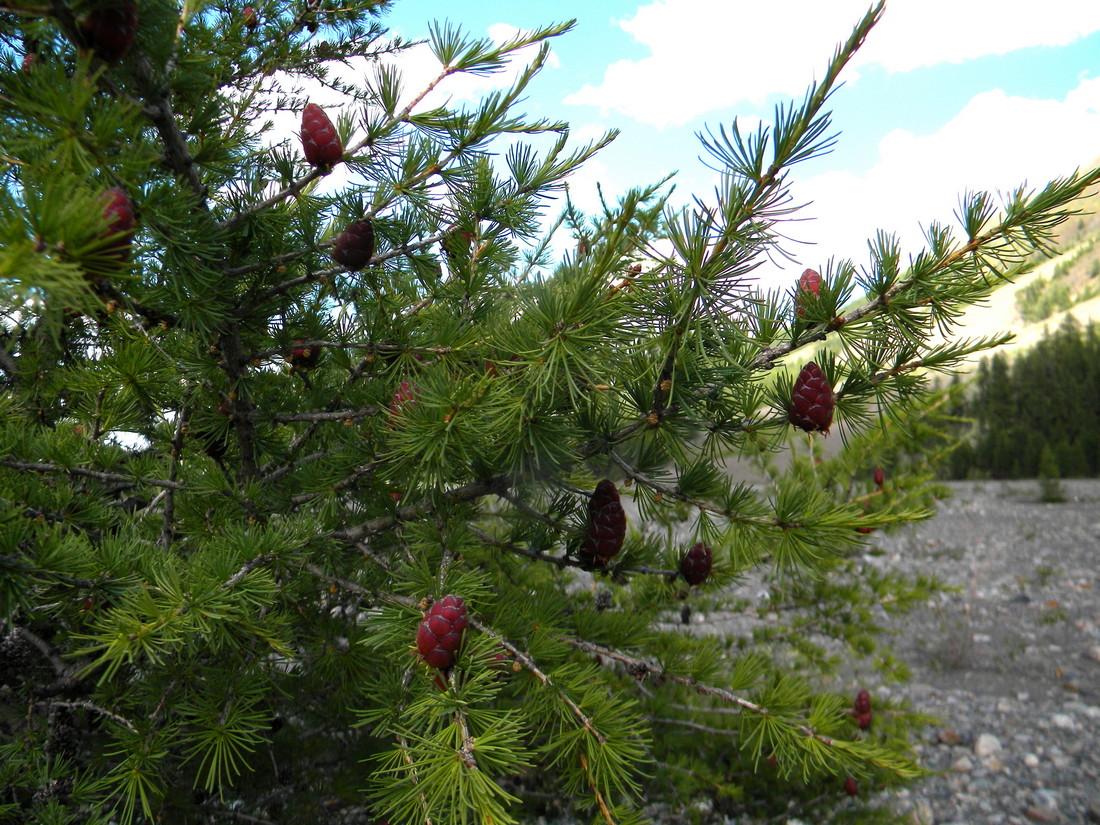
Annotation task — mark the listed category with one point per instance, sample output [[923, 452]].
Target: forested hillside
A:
[[1037, 413]]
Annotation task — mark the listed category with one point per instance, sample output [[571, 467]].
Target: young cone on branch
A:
[[812, 400], [809, 284], [354, 246], [440, 635], [606, 527], [321, 142], [119, 214], [695, 566]]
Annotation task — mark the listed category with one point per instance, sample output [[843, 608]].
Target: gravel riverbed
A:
[[1011, 662]]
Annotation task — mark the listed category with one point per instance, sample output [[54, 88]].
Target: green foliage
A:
[[1036, 416], [217, 551]]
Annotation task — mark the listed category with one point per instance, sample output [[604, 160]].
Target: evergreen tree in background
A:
[[311, 498], [1037, 415]]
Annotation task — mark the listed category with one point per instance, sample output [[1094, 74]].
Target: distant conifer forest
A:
[[1034, 414]]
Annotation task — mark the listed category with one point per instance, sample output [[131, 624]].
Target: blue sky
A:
[[947, 95]]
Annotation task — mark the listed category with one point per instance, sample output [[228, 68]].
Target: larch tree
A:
[[356, 503]]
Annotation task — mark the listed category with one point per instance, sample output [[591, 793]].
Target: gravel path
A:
[[1011, 663]]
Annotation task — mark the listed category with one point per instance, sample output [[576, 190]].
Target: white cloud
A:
[[705, 55], [995, 143]]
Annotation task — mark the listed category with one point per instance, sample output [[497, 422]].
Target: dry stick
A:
[[467, 492], [560, 561]]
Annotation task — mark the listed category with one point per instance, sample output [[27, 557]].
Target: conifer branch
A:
[[560, 561], [248, 567], [84, 472], [158, 108], [675, 493], [94, 708], [596, 791], [684, 723], [643, 667], [173, 470], [466, 492], [529, 663], [319, 416]]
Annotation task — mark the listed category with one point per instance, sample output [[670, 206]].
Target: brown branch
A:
[[467, 492], [248, 567], [86, 705], [44, 467], [645, 667], [525, 659]]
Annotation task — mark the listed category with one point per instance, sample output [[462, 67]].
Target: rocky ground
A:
[[1011, 663]]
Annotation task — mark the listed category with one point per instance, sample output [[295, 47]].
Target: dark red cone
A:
[[809, 285], [440, 634], [320, 142], [880, 477], [812, 400], [303, 357], [862, 703], [119, 214], [861, 709], [696, 564], [606, 527], [109, 32], [249, 18], [354, 246], [850, 787]]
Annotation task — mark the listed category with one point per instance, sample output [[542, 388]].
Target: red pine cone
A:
[[119, 214], [696, 564], [249, 18], [606, 525], [812, 400], [880, 477], [354, 246], [809, 284], [405, 397], [440, 634], [861, 709], [320, 141], [28, 62], [850, 787], [862, 703], [109, 32], [304, 358]]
